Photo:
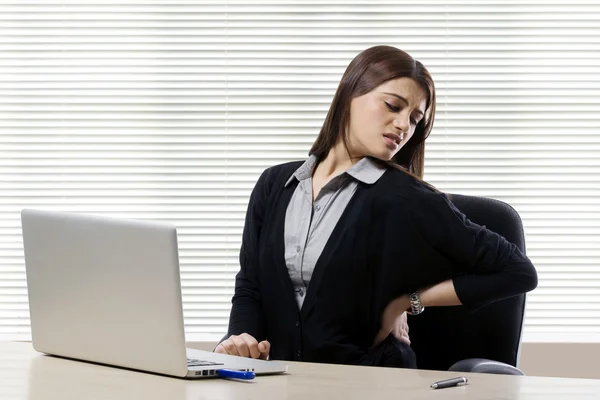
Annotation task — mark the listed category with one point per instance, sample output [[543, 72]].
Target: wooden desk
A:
[[25, 374]]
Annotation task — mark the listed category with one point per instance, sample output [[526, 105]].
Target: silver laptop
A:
[[108, 290]]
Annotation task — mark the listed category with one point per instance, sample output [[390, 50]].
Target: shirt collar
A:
[[366, 170]]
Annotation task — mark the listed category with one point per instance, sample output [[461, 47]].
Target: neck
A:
[[336, 162]]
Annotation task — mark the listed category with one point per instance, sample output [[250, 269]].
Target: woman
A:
[[336, 249]]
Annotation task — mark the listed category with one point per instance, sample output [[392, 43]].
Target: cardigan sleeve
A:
[[489, 267], [246, 315]]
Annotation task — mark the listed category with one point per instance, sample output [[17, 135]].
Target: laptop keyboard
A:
[[193, 362]]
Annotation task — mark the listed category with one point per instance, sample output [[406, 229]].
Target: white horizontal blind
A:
[[169, 110]]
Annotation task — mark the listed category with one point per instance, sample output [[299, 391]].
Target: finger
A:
[[403, 330], [405, 339], [220, 349], [229, 347], [252, 345], [401, 336], [241, 346], [264, 348], [380, 336], [405, 321]]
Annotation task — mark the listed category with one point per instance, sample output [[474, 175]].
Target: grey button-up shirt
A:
[[309, 224]]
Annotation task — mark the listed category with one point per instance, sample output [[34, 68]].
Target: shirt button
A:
[[297, 323], [298, 249], [318, 208], [298, 354]]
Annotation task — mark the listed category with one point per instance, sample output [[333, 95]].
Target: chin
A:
[[384, 154]]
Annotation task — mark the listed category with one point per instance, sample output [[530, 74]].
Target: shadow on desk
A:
[[54, 378], [58, 378]]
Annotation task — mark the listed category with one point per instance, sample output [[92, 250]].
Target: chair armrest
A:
[[484, 366]]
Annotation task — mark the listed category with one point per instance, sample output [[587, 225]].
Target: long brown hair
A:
[[368, 70]]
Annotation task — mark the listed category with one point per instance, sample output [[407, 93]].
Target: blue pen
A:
[[230, 373]]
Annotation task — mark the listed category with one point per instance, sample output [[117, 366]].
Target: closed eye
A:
[[391, 107]]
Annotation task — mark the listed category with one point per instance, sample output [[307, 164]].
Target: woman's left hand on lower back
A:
[[394, 321]]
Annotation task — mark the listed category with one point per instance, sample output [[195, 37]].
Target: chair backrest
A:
[[442, 336]]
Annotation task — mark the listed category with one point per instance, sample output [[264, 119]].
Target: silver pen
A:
[[450, 382]]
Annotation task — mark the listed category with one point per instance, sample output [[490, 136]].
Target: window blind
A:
[[170, 110]]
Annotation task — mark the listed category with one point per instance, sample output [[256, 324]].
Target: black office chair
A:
[[487, 340]]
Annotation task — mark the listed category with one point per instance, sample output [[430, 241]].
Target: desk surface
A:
[[25, 374]]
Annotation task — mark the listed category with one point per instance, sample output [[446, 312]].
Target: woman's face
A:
[[383, 120]]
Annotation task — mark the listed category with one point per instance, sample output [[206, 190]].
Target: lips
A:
[[393, 137]]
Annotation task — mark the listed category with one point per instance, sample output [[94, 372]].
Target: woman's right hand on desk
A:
[[244, 345]]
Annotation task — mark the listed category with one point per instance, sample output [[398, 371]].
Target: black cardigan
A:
[[395, 236]]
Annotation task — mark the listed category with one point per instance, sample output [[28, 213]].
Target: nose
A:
[[402, 124]]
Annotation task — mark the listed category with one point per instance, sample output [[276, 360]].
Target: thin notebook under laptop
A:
[[108, 290]]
